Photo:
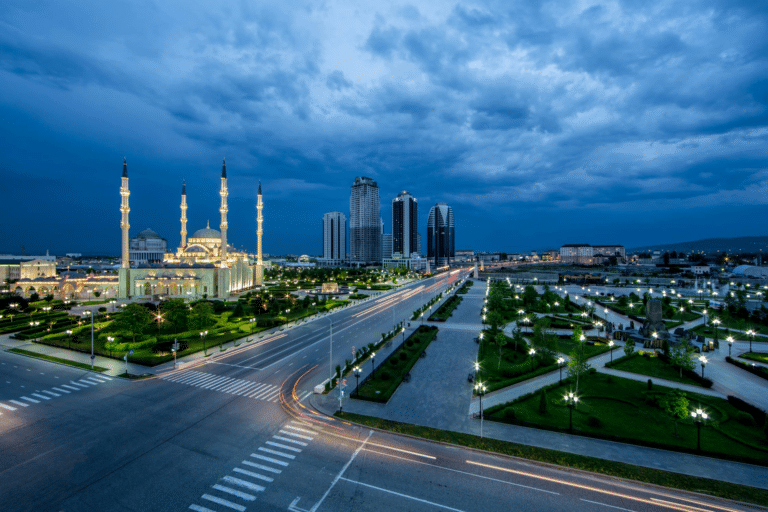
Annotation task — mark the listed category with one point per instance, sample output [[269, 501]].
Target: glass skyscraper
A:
[[441, 244], [365, 222]]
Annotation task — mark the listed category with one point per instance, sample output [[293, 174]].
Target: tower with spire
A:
[[259, 277], [125, 263], [224, 192], [183, 215]]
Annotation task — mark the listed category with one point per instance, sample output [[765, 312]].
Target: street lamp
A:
[[69, 342], [560, 361], [730, 341], [716, 322], [90, 313], [532, 352], [330, 361], [33, 325], [252, 321], [703, 361], [699, 417], [751, 335], [571, 400], [357, 376], [480, 389], [373, 365], [203, 334], [610, 345]]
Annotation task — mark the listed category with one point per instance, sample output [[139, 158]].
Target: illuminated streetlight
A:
[[730, 341], [571, 400], [703, 360], [699, 417], [560, 362]]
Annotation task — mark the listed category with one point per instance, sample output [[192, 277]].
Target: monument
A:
[[654, 322]]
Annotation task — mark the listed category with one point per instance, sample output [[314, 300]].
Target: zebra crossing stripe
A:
[[51, 393], [236, 389], [7, 407], [247, 388], [234, 492], [225, 383], [269, 459], [257, 390], [86, 382], [276, 452], [296, 435], [200, 380], [30, 400], [283, 447], [226, 503], [286, 440], [193, 377], [62, 390], [79, 386], [198, 508], [243, 483], [73, 388], [301, 429], [91, 380], [262, 467], [264, 392], [214, 383], [105, 377], [253, 475], [41, 396], [19, 403], [231, 386]]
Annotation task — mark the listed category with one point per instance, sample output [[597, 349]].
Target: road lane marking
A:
[[265, 468], [258, 389], [51, 393], [301, 429], [40, 396], [253, 475], [276, 452], [296, 435], [286, 440], [283, 447], [269, 459], [606, 505], [10, 408], [73, 388], [198, 508], [19, 403], [30, 400], [79, 386], [402, 495], [417, 454], [234, 492], [62, 390], [83, 381], [351, 459], [233, 506], [243, 483]]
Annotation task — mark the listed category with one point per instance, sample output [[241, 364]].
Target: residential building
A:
[[364, 222], [585, 254], [405, 232], [334, 238]]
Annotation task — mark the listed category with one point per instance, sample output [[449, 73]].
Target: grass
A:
[[59, 360], [131, 376], [599, 347], [652, 367], [581, 462], [445, 311], [515, 366], [382, 385], [760, 357], [625, 410]]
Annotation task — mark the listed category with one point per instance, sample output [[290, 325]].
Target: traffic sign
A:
[[93, 357], [130, 352], [353, 351]]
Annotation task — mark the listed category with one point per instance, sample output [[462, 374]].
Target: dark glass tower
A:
[[441, 245], [405, 235]]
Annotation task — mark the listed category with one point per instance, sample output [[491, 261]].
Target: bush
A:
[[745, 419], [594, 422], [403, 356], [509, 414], [102, 309], [650, 384], [384, 375], [393, 362], [753, 411], [543, 402], [409, 343]]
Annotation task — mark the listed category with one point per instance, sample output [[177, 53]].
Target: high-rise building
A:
[[334, 238], [386, 245], [364, 222], [404, 224], [441, 244]]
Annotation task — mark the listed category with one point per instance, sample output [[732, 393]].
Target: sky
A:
[[539, 123]]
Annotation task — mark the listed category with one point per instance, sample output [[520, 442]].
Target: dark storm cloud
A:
[[519, 114]]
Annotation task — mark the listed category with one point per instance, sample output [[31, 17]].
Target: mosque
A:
[[204, 265]]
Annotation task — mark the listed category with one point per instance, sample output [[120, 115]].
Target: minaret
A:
[[183, 215], [259, 232], [223, 209], [124, 209]]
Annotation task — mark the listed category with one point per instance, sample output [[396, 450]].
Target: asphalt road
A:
[[234, 435]]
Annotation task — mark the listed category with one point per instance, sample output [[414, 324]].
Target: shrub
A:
[[403, 356], [102, 309], [509, 414], [745, 418], [384, 375], [650, 384], [409, 343], [594, 422], [393, 362], [543, 402]]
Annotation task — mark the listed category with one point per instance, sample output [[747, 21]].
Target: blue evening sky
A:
[[540, 123]]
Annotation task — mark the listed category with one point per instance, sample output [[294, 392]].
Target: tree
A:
[[530, 296], [543, 402], [675, 405], [201, 315], [666, 258], [517, 337], [501, 340], [495, 320], [577, 365], [495, 300], [682, 357], [176, 312], [134, 320], [629, 347], [576, 337]]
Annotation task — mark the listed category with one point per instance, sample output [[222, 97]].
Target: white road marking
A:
[[258, 389], [199, 380], [50, 393], [92, 380], [79, 386], [221, 384], [286, 440], [275, 452], [400, 494], [239, 387], [269, 459], [260, 466], [234, 492], [73, 388], [351, 459], [62, 390], [250, 387], [105, 377], [198, 508], [301, 429], [606, 505], [243, 483], [296, 435], [30, 400], [40, 396], [284, 447], [253, 475], [86, 382], [264, 393], [19, 403], [226, 503], [7, 407], [215, 383]]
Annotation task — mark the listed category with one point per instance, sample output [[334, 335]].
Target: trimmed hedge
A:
[[760, 371]]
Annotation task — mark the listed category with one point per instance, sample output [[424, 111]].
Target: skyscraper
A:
[[441, 245], [334, 238], [404, 224], [364, 222]]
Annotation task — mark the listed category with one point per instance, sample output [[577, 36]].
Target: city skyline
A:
[[537, 124]]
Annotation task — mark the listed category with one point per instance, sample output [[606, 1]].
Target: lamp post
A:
[[34, 325], [699, 417], [357, 376], [716, 322], [610, 345], [90, 313], [203, 334], [730, 340], [532, 352], [560, 361], [110, 339], [703, 361], [477, 369], [571, 400], [330, 345], [69, 342], [373, 364], [751, 335], [480, 389], [252, 321]]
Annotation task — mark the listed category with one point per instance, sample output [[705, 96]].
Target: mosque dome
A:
[[207, 232], [148, 233]]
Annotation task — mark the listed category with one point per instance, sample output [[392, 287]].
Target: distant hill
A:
[[709, 245]]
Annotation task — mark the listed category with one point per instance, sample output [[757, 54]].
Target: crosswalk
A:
[[232, 386], [239, 489], [44, 395]]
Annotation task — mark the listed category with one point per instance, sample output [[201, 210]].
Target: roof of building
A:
[[207, 232], [751, 270], [148, 233], [577, 245]]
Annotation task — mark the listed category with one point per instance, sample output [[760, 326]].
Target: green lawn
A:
[[625, 410], [515, 366], [599, 347], [760, 357], [652, 367], [445, 311], [388, 376]]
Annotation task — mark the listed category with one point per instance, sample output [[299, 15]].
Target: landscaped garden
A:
[[760, 357], [630, 411], [445, 311], [650, 364], [382, 384]]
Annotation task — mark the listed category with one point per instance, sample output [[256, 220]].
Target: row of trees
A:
[[135, 319]]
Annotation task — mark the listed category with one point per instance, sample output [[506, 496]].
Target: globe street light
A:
[[357, 376], [69, 342], [90, 313], [730, 341], [532, 352], [751, 335], [610, 345], [203, 334], [373, 365], [703, 360], [571, 400], [560, 361], [699, 417], [480, 389], [716, 322]]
